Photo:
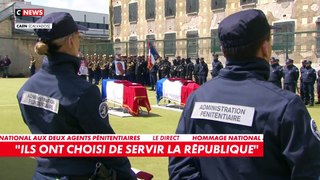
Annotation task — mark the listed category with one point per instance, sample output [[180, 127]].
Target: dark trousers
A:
[[302, 93], [309, 93], [196, 79], [90, 75], [290, 87], [202, 79], [153, 80], [97, 76], [139, 79], [32, 70], [5, 71]]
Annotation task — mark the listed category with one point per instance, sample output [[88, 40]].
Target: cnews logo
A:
[[29, 12]]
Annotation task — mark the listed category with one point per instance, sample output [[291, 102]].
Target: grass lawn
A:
[[159, 122]]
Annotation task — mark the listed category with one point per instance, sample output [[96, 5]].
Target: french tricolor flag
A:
[[152, 55]]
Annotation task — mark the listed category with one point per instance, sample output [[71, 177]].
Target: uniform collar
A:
[[62, 62], [245, 69]]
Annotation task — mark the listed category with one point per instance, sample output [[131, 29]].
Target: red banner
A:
[[131, 145]]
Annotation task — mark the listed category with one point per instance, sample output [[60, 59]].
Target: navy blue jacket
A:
[[77, 113], [216, 66], [275, 73], [291, 149], [309, 75], [290, 74]]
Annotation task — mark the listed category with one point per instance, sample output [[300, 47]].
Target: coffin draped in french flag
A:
[[175, 89], [127, 94]]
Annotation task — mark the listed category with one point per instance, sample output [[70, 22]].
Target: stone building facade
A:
[[189, 27]]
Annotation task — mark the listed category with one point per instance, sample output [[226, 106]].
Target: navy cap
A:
[[288, 61], [243, 28], [62, 25]]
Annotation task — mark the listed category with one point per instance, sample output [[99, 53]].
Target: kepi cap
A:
[[62, 25], [243, 28]]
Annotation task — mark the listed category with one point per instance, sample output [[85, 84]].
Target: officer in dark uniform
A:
[[318, 86], [196, 71], [290, 76], [216, 65], [309, 77], [275, 72], [203, 71], [131, 66], [302, 93], [153, 76], [190, 68], [181, 69], [76, 105], [164, 68], [140, 70], [291, 139], [173, 68]]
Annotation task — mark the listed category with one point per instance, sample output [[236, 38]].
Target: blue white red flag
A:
[[152, 55]]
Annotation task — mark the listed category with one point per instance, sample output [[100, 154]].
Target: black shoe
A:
[[318, 102]]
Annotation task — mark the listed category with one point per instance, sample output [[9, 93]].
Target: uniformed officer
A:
[[303, 95], [190, 68], [275, 72], [181, 69], [216, 65], [173, 68], [76, 106], [318, 85], [196, 71], [203, 71], [291, 139], [309, 77], [164, 68], [290, 76]]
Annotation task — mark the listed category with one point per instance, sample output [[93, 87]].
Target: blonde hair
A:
[[45, 48]]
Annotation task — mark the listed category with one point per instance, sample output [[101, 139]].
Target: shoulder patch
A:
[[40, 101], [103, 110], [314, 129], [226, 113]]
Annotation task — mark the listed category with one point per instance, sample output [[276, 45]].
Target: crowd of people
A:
[[290, 75], [95, 67]]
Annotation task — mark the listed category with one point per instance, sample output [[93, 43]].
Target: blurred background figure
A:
[[275, 72], [290, 76], [32, 65], [308, 79]]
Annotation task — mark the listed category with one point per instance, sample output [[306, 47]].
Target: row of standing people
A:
[[135, 69], [307, 77]]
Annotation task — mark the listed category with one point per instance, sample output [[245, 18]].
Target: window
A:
[[218, 4], [170, 8], [82, 23], [92, 25], [150, 9], [215, 43], [170, 44], [133, 46], [244, 2], [192, 43], [151, 38], [117, 15], [133, 12], [318, 37], [192, 6], [283, 36]]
